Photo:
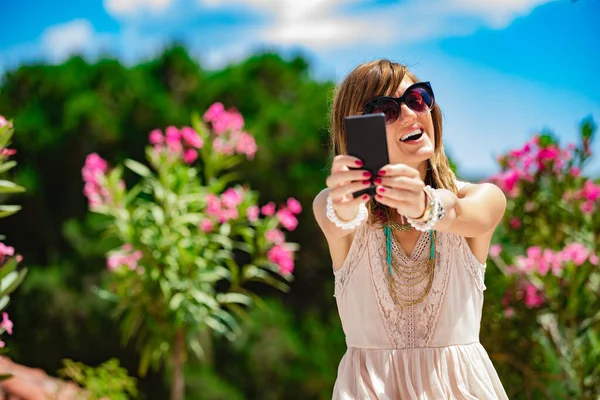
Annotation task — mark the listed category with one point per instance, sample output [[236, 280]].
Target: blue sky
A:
[[502, 69]]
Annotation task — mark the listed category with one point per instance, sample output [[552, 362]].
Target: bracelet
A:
[[438, 211], [429, 205], [346, 225]]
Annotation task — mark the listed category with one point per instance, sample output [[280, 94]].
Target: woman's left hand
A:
[[401, 187]]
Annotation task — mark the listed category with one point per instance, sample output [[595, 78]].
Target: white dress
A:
[[427, 351]]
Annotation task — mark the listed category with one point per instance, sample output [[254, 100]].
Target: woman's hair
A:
[[382, 78]]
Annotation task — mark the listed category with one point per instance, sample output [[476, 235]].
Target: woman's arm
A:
[[476, 210]]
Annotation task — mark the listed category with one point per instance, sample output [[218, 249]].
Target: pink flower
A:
[[206, 225], [228, 214], [232, 198], [172, 134], [173, 139], [510, 179], [548, 154], [246, 145], [575, 252], [230, 120], [534, 252], [213, 205], [156, 137], [3, 122], [268, 209], [590, 191], [283, 258], [532, 298], [275, 236], [220, 145], [190, 155], [587, 207], [7, 152], [94, 165], [114, 261], [495, 250], [124, 257], [252, 213], [6, 250], [6, 323], [509, 312], [294, 205], [515, 223], [213, 112], [593, 259], [287, 219], [191, 137], [2, 344]]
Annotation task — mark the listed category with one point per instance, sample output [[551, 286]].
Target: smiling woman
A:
[[409, 262]]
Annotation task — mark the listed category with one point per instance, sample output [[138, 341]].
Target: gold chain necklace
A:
[[400, 227], [402, 285]]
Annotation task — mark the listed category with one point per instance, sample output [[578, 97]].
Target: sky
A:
[[501, 70]]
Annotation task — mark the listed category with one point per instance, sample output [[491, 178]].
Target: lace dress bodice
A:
[[365, 274]]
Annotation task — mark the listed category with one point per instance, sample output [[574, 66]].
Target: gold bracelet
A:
[[429, 203]]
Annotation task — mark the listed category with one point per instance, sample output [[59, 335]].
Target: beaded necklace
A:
[[411, 275]]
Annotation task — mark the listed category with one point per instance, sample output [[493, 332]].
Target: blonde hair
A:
[[380, 78]]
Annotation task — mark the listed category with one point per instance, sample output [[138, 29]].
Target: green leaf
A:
[[223, 241], [176, 301], [252, 273], [4, 300], [6, 210], [197, 349], [7, 166], [138, 168], [9, 267], [10, 187], [105, 294], [204, 299], [239, 298], [12, 281]]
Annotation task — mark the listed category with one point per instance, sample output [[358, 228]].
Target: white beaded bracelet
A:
[[437, 213], [346, 225]]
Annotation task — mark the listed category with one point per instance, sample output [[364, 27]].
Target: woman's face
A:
[[417, 149]]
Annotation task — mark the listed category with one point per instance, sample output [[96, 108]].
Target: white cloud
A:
[[60, 41], [118, 8], [319, 24]]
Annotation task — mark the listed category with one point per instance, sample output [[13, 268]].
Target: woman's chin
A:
[[413, 159]]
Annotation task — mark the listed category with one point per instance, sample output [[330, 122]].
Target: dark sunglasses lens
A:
[[419, 100], [387, 106]]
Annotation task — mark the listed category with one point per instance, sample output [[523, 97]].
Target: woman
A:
[[409, 262]]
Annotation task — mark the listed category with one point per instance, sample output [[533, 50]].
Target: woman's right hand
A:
[[343, 182]]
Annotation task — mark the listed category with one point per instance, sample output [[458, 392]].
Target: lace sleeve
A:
[[357, 249]]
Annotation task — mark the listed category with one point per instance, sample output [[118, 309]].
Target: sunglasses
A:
[[418, 97]]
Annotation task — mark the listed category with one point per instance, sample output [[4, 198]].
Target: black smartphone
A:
[[366, 139]]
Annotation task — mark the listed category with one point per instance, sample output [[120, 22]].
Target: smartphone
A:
[[366, 139]]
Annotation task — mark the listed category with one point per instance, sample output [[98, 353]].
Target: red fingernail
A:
[[379, 196], [381, 172], [366, 182], [359, 163], [377, 180], [381, 190], [367, 174], [365, 197]]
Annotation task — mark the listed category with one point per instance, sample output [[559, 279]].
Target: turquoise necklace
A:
[[387, 231]]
